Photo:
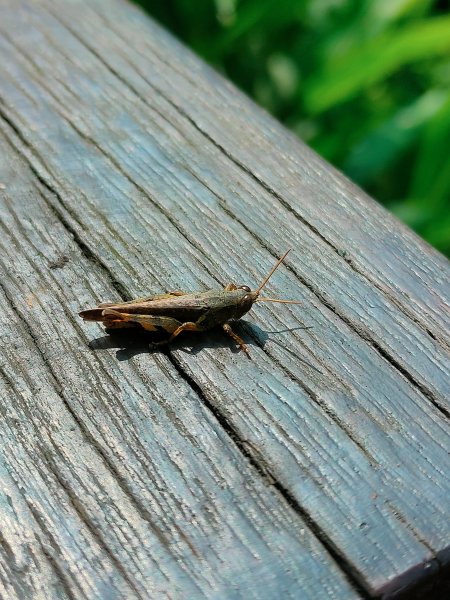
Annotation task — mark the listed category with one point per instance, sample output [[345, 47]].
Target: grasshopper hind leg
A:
[[114, 318], [147, 322]]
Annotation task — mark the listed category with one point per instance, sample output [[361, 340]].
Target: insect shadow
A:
[[134, 341]]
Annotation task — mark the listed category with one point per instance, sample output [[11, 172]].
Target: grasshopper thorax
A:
[[241, 299]]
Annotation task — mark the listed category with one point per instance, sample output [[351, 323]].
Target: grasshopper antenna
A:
[[266, 279], [279, 300], [272, 272]]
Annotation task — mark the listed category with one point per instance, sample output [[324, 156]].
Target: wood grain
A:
[[171, 179], [117, 480]]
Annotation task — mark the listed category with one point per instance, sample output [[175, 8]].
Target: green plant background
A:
[[366, 83]]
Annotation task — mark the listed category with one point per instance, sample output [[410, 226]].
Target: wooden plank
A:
[[401, 331], [361, 447], [116, 480]]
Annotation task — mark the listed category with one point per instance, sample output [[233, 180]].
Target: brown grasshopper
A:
[[182, 311]]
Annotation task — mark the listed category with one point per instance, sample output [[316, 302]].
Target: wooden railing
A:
[[319, 467]]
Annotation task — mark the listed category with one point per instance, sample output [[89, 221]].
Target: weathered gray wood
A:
[[117, 481], [373, 310], [172, 179]]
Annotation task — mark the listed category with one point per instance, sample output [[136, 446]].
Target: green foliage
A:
[[364, 82]]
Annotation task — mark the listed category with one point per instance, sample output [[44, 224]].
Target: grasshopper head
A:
[[244, 300]]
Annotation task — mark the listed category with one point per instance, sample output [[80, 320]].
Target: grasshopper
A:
[[177, 311]]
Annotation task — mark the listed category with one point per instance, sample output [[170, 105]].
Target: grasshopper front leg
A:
[[197, 326], [243, 346], [208, 320]]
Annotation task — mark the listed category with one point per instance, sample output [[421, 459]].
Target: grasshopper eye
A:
[[245, 288]]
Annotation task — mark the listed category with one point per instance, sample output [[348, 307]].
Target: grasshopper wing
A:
[[96, 314]]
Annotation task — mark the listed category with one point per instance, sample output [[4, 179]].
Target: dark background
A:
[[366, 83]]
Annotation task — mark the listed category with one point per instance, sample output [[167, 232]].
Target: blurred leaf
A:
[[432, 223], [284, 73], [375, 60], [381, 147], [387, 10], [438, 234], [430, 177]]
